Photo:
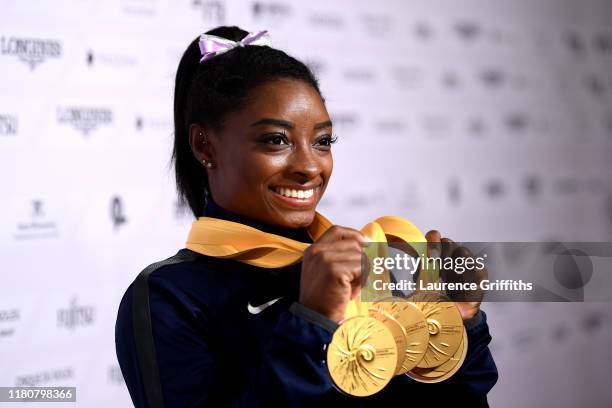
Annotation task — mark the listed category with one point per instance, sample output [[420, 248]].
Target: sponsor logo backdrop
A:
[[488, 120]]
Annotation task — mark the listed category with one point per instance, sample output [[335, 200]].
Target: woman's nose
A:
[[304, 161]]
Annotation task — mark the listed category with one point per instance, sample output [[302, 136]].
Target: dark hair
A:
[[206, 92]]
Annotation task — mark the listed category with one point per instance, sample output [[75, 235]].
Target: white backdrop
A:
[[488, 120]]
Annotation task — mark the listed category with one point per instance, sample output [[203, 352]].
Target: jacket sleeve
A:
[[291, 372], [478, 373]]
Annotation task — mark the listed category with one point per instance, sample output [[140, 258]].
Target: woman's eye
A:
[[275, 139], [327, 140]]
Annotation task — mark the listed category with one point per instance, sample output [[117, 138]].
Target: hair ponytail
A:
[[191, 179]]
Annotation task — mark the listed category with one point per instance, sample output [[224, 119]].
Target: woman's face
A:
[[272, 159]]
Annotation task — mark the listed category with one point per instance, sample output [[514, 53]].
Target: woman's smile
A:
[[298, 197]]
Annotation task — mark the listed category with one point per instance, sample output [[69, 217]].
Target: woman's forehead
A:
[[283, 99]]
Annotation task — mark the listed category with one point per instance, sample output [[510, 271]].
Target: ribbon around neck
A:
[[231, 240]]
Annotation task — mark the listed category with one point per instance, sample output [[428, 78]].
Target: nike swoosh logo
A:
[[258, 309]]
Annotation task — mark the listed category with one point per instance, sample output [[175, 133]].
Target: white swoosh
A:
[[260, 308]]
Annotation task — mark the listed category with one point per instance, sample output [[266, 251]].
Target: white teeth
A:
[[288, 192]]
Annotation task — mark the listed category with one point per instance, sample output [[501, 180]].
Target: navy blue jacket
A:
[[212, 351]]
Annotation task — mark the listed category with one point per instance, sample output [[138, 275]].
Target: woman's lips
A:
[[297, 197]]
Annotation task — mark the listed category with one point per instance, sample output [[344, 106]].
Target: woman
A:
[[253, 146]]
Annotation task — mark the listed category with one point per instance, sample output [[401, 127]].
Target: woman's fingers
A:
[[448, 247], [338, 233], [434, 246]]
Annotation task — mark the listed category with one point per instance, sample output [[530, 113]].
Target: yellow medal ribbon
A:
[[227, 239]]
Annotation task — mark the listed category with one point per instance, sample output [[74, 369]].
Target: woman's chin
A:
[[294, 219]]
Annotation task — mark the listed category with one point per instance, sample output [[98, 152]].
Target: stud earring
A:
[[203, 137], [208, 165]]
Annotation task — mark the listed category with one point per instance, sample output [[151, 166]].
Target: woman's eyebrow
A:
[[323, 125], [277, 122], [287, 124]]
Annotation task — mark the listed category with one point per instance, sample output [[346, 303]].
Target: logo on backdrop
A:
[[359, 74], [37, 208], [390, 126], [212, 11], [32, 51], [476, 126], [578, 44], [75, 315], [451, 80], [603, 43], [271, 13], [52, 376], [373, 199], [467, 31], [494, 189], [116, 212], [596, 85], [110, 59], [345, 121], [38, 226], [435, 124], [139, 8], [161, 123], [8, 125], [454, 191], [8, 316], [327, 21], [532, 185], [409, 77], [607, 124], [423, 31], [84, 119], [377, 24], [569, 186], [114, 375], [409, 195]]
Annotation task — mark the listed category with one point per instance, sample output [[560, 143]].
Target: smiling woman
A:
[[221, 322], [272, 159]]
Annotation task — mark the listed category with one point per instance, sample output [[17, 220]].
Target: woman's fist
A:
[[467, 302], [331, 271]]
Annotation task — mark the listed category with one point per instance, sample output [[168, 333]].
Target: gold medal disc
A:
[[415, 329], [396, 329], [444, 371], [362, 356], [444, 324]]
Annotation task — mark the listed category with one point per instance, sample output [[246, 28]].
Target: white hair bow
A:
[[212, 45]]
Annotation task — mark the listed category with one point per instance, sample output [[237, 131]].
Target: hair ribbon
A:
[[212, 45]]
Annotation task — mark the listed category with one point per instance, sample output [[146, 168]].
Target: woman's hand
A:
[[446, 248], [331, 271]]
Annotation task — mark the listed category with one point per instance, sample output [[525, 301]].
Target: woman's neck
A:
[[212, 209]]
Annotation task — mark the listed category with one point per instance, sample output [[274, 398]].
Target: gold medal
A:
[[444, 371], [414, 326], [444, 324], [362, 356], [396, 329]]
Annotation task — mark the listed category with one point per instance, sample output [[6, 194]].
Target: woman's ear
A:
[[200, 143]]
